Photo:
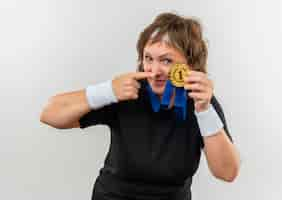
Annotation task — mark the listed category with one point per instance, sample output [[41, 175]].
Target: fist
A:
[[126, 86]]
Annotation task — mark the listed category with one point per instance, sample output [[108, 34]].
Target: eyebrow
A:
[[161, 56]]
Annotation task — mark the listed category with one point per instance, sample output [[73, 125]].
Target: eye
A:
[[167, 61], [148, 58]]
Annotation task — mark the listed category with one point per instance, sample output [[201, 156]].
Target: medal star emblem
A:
[[177, 73]]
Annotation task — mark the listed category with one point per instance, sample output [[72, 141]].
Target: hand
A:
[[126, 86], [201, 89]]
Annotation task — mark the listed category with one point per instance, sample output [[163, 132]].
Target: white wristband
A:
[[100, 94], [209, 122]]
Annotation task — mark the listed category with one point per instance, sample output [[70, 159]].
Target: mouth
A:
[[159, 82]]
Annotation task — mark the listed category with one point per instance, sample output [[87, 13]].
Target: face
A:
[[158, 58]]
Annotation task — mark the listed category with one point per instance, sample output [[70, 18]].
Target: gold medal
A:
[[177, 74]]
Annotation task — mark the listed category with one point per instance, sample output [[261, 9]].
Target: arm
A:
[[222, 156], [64, 110]]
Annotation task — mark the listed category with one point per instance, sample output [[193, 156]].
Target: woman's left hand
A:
[[201, 89]]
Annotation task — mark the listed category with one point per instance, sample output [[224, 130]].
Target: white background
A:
[[50, 47]]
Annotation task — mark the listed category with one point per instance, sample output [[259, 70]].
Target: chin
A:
[[157, 89]]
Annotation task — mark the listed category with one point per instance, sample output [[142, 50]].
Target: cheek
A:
[[169, 68], [147, 68], [167, 71]]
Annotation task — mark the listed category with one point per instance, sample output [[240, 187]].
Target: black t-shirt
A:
[[152, 155]]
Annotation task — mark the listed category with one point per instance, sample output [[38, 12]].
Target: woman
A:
[[153, 153]]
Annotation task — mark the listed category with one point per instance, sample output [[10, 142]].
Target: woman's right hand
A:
[[126, 86]]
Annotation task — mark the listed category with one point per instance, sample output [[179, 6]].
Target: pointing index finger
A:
[[141, 75]]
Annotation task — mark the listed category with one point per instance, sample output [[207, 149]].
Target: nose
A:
[[157, 69]]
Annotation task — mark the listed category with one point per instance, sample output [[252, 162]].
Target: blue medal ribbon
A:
[[180, 101]]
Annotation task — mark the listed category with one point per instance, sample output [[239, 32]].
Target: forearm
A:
[[64, 109], [222, 156]]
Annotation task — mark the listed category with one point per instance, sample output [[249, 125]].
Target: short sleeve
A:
[[104, 116], [219, 110]]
